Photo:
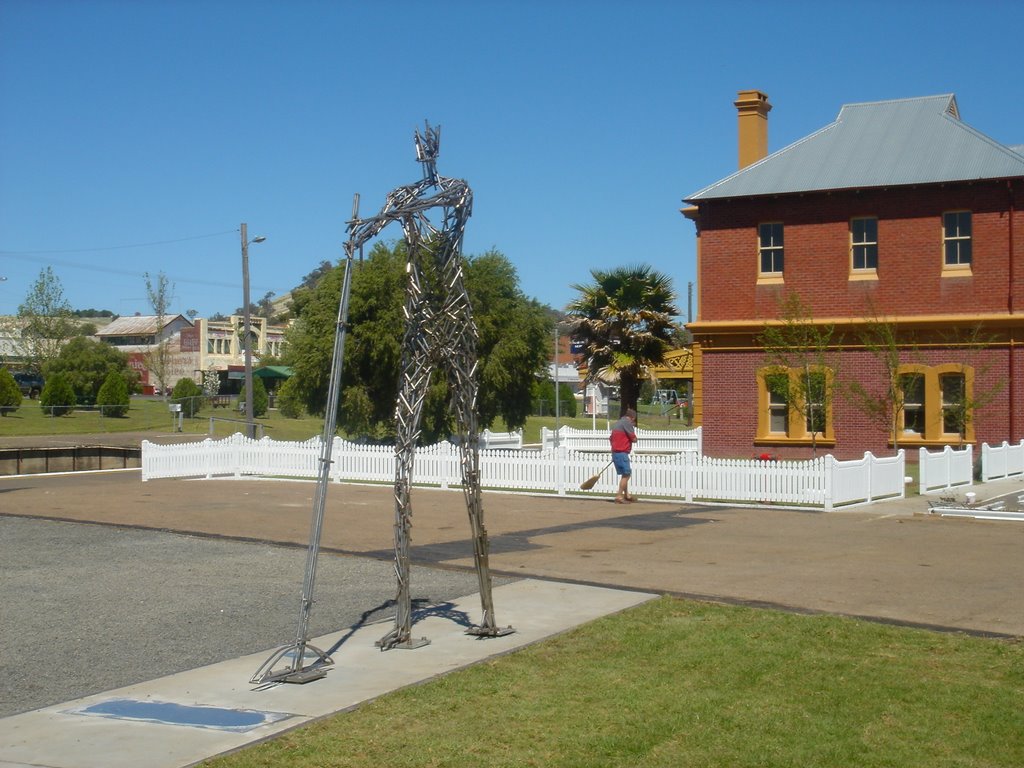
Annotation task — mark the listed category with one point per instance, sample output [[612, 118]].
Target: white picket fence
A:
[[490, 439], [647, 440], [948, 468], [823, 482], [1004, 461]]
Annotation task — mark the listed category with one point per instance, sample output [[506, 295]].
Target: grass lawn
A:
[[677, 683], [151, 414]]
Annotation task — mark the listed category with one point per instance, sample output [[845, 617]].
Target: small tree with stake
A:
[[801, 352]]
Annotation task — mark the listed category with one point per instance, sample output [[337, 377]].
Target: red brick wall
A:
[[910, 256], [730, 402]]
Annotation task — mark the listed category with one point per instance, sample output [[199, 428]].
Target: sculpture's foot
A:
[[400, 640], [298, 671], [490, 631]]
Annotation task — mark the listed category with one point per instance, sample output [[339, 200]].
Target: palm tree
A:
[[624, 319]]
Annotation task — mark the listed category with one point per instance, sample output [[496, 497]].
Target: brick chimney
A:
[[753, 109]]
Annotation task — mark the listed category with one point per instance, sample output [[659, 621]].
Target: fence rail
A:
[[822, 482], [647, 440]]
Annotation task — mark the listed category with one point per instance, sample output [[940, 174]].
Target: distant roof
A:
[[877, 144], [137, 325]]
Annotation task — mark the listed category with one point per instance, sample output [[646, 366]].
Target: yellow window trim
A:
[[934, 433], [797, 427]]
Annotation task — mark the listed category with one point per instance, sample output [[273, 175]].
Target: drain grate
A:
[[194, 716]]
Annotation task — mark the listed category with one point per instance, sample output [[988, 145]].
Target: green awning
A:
[[274, 372]]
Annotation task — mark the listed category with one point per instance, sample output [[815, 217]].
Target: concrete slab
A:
[[66, 736]]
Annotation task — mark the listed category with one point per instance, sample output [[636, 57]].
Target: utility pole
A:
[[250, 427]]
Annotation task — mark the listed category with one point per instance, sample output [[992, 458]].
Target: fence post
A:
[[688, 475], [922, 470], [830, 468], [444, 463], [560, 469], [903, 472]]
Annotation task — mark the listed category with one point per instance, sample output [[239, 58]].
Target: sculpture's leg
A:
[[412, 389], [460, 354]]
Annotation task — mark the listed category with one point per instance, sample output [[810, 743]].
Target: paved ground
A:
[[879, 561], [87, 606]]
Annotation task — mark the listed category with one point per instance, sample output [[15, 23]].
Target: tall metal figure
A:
[[439, 330]]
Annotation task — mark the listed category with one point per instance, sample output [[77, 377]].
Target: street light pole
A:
[[250, 429], [556, 385]]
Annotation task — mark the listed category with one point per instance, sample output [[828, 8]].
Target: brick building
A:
[[194, 348], [898, 218]]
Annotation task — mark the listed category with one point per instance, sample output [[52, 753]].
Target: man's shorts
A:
[[621, 462]]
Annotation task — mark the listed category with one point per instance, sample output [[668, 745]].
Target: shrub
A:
[[289, 401], [58, 396], [188, 393], [10, 393], [260, 400], [113, 397], [85, 363], [544, 399]]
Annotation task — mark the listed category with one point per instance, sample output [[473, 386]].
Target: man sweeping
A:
[[622, 438]]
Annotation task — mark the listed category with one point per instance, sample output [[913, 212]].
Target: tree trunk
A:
[[629, 392]]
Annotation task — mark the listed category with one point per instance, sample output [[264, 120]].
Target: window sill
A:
[[932, 442], [950, 270], [868, 274], [770, 279], [784, 440]]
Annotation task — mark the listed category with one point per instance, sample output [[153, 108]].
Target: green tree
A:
[[511, 349], [260, 400], [10, 393], [46, 321], [289, 401], [58, 396], [801, 350], [514, 333], [189, 395], [113, 397], [543, 394], [85, 364], [624, 318]]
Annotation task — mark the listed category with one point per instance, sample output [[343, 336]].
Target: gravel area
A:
[[88, 608]]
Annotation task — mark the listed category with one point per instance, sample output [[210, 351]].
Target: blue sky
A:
[[137, 135]]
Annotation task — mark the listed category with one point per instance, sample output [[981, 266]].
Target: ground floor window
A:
[[936, 403], [794, 404]]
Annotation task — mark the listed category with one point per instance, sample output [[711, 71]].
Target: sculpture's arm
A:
[[407, 202]]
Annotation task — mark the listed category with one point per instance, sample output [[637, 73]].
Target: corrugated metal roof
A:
[[136, 325], [876, 144]]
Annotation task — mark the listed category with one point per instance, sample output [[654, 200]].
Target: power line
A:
[[111, 270], [121, 247]]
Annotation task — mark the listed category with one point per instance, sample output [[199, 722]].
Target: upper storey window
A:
[[864, 244], [770, 248], [956, 239]]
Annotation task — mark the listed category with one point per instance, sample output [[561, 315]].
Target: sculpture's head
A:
[[428, 147]]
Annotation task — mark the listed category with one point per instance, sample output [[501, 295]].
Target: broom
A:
[[590, 482]]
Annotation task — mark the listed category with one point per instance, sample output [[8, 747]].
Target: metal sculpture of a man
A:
[[439, 330]]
